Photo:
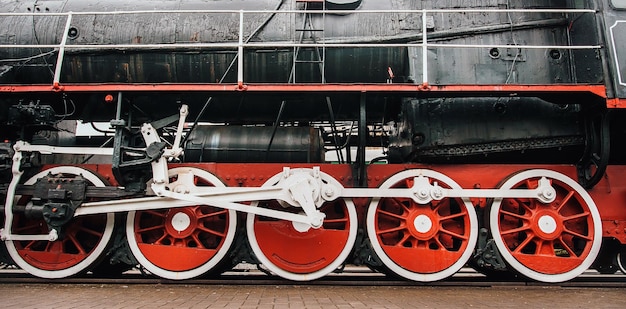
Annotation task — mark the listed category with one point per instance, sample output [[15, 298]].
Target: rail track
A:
[[352, 276]]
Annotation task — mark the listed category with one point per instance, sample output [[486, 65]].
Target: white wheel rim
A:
[[96, 252], [512, 261], [398, 269], [192, 273], [621, 265], [317, 274]]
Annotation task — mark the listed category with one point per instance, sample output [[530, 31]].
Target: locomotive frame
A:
[[305, 219]]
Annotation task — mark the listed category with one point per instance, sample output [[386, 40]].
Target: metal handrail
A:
[[312, 12], [241, 45]]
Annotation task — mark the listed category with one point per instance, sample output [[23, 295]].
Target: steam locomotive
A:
[[414, 137]]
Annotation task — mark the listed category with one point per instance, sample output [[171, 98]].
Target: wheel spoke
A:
[[527, 207], [530, 183], [77, 244], [160, 240], [453, 216], [565, 200], [510, 214], [520, 247], [545, 247], [404, 239], [210, 231], [439, 204], [197, 240], [390, 214], [399, 203], [35, 228], [51, 245], [439, 244], [585, 237], [213, 214], [516, 230], [578, 216], [148, 229], [30, 244], [567, 248], [90, 231], [391, 230], [453, 234], [338, 220], [155, 213]]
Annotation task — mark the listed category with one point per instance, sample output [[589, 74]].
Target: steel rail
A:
[[464, 278]]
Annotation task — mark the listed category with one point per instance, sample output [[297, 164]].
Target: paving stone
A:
[[66, 296]]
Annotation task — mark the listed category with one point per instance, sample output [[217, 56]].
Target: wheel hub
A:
[[180, 223], [547, 224], [423, 224]]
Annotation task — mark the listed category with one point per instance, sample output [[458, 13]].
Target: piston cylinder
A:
[[254, 144]]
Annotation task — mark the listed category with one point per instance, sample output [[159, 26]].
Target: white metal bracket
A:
[[159, 167], [422, 192], [296, 189], [304, 192], [176, 150], [5, 233]]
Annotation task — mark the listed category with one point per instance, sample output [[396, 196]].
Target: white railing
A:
[[241, 45]]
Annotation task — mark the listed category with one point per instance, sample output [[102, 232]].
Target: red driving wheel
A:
[[422, 242], [551, 242], [185, 242]]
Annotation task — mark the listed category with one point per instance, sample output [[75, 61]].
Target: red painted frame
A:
[[425, 90]]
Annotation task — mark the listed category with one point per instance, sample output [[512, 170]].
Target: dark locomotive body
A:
[[520, 85], [448, 66]]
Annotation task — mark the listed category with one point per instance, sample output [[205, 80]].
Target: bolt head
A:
[[548, 193], [329, 192], [437, 194]]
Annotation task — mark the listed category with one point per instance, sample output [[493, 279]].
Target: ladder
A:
[[306, 32]]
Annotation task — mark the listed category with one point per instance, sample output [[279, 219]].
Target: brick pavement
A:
[[25, 296]]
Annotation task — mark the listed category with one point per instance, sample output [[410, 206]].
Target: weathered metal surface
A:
[[208, 65]]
